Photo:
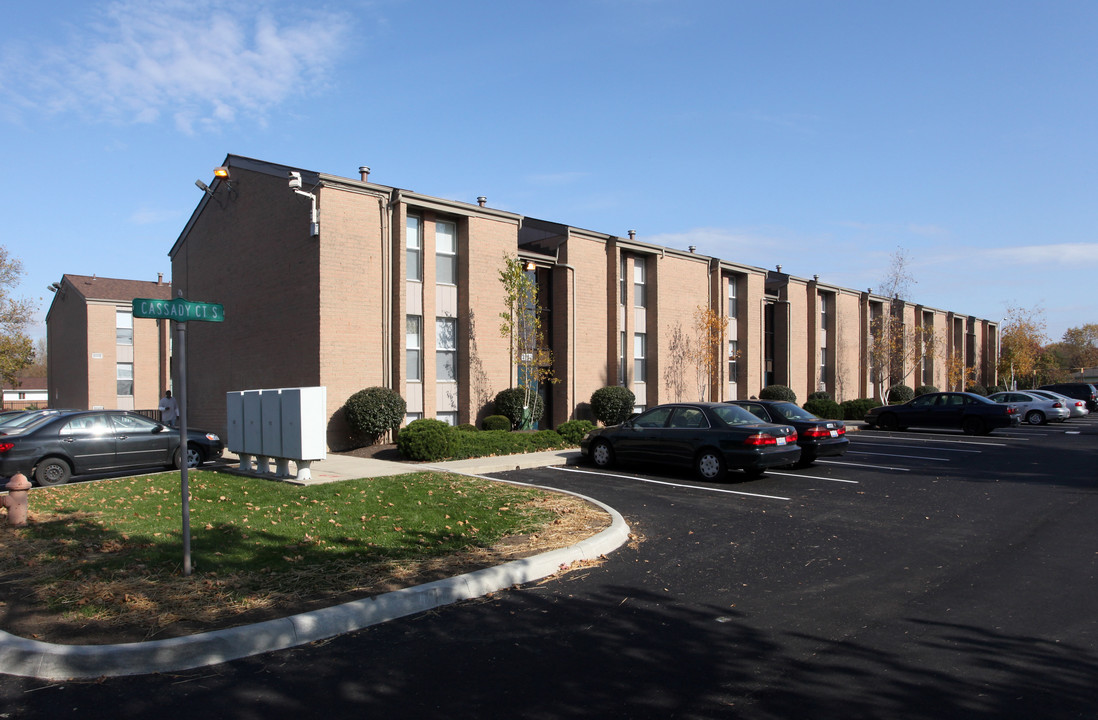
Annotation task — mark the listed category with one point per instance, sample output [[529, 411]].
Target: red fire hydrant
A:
[[16, 500]]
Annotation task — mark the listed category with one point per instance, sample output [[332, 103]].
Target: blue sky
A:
[[822, 136]]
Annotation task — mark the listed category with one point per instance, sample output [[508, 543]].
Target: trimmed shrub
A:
[[509, 404], [825, 408], [428, 439], [856, 409], [466, 427], [820, 395], [925, 390], [978, 389], [374, 411], [504, 442], [996, 389], [497, 422], [778, 392], [613, 404], [900, 393], [574, 430]]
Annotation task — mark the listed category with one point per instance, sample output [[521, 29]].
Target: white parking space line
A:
[[812, 477], [979, 443], [875, 467], [669, 484], [937, 449], [910, 457]]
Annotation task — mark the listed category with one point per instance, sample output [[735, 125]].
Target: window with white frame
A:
[[446, 349], [733, 303], [414, 343], [640, 362], [823, 368], [450, 418], [414, 235], [733, 361], [123, 326], [640, 283], [621, 278], [124, 376], [621, 361], [445, 253]]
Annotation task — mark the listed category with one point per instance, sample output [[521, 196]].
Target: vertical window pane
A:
[[640, 296], [639, 364], [733, 305], [621, 362], [733, 360], [124, 375], [123, 324], [415, 249], [446, 349], [414, 335], [446, 253]]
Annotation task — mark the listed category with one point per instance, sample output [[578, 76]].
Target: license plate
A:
[[834, 433], [781, 441]]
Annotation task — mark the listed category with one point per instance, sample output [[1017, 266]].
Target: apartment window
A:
[[640, 345], [823, 368], [733, 361], [446, 253], [124, 375], [123, 327], [414, 235], [412, 417], [733, 303], [414, 343], [450, 418], [621, 361], [823, 312], [446, 349], [621, 279], [640, 283]]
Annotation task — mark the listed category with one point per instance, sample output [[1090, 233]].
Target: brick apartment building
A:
[[98, 354], [394, 288]]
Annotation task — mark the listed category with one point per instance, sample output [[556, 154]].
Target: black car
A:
[[710, 437], [75, 443], [974, 414], [1078, 390], [816, 436]]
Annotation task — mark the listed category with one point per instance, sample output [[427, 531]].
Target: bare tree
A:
[[16, 349], [521, 323]]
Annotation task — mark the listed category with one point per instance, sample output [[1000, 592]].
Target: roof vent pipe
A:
[[160, 278], [482, 201], [364, 172], [692, 248], [632, 234]]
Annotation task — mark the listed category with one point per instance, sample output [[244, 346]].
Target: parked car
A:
[[75, 443], [816, 436], [1078, 390], [18, 421], [710, 437], [1036, 410], [974, 414], [1077, 407]]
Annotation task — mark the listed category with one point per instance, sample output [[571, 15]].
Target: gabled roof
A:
[[101, 288]]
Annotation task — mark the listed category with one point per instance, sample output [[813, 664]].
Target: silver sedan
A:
[[1036, 410], [1077, 407]]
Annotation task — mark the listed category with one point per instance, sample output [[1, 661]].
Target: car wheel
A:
[[52, 471], [194, 457], [709, 465], [1035, 417], [972, 426], [602, 454], [888, 421]]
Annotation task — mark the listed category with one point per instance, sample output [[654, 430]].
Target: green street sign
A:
[[178, 309]]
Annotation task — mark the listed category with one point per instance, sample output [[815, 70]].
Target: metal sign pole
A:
[[181, 400]]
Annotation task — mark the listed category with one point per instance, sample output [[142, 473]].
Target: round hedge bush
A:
[[427, 439], [825, 408], [925, 390], [778, 392], [612, 404], [374, 411], [574, 430], [856, 409], [509, 404], [468, 428], [978, 389], [497, 422], [900, 393], [820, 395]]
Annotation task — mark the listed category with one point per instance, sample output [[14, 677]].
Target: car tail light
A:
[[817, 431], [1011, 410], [4, 447], [1056, 404]]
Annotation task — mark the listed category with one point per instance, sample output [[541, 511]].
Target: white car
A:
[[1035, 409], [1078, 408]]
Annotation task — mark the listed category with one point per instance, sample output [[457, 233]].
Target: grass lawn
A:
[[109, 552]]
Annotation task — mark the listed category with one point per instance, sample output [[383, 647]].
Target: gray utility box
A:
[[283, 423]]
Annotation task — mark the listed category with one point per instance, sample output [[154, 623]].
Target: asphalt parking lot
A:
[[921, 575]]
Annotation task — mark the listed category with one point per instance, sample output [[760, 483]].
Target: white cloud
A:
[[198, 62], [1069, 255]]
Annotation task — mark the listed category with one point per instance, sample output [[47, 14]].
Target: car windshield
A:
[[735, 415], [789, 411]]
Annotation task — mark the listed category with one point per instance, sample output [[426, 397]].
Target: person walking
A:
[[169, 410]]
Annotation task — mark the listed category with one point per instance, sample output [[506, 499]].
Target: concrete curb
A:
[[47, 661]]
